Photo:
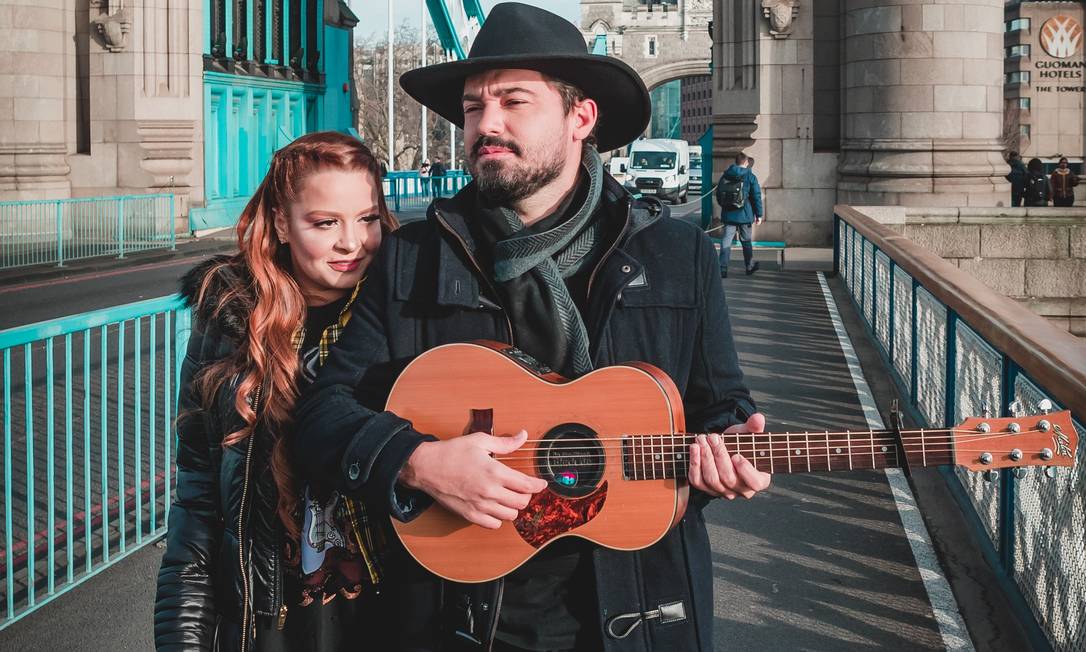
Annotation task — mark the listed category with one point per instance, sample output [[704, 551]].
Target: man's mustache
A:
[[491, 141]]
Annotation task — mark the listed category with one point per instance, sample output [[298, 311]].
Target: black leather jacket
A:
[[224, 495], [656, 297]]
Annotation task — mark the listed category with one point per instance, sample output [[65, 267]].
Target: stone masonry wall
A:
[[1034, 255]]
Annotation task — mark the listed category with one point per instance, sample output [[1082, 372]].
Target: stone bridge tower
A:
[[866, 102], [662, 40]]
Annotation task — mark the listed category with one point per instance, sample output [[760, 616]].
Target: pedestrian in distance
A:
[[437, 178], [256, 559], [512, 257], [1063, 182], [1017, 176], [424, 178], [740, 198], [1036, 191]]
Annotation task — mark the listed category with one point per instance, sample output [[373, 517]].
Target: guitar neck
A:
[[655, 457]]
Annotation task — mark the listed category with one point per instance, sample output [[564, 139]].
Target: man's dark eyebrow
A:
[[471, 97]]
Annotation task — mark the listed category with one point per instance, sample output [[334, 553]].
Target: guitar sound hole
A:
[[571, 458]]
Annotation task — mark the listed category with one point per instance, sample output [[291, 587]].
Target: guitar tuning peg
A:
[[1015, 408], [1019, 472], [990, 475], [1044, 405], [1050, 472]]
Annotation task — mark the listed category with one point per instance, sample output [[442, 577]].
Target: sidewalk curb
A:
[[46, 272]]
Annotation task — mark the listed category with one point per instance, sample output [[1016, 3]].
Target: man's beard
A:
[[507, 182]]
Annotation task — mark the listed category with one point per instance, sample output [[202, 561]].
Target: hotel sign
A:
[[1061, 39], [1061, 36]]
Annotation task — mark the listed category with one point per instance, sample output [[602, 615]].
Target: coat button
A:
[[353, 471], [626, 269]]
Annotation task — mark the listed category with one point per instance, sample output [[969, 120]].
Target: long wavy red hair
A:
[[268, 361]]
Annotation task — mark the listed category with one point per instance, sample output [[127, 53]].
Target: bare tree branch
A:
[[371, 81]]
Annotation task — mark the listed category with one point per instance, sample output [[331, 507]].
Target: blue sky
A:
[[373, 14]]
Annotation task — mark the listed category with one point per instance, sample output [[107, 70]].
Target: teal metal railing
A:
[[409, 191], [89, 403], [60, 230], [957, 349]]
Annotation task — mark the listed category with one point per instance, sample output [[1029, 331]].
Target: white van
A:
[[617, 166], [695, 169], [661, 167]]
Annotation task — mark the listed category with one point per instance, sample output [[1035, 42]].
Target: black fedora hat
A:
[[519, 36]]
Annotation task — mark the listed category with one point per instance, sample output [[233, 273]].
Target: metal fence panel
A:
[[978, 373], [903, 326], [409, 191], [59, 230], [88, 410], [931, 334], [1049, 537], [882, 301], [868, 284]]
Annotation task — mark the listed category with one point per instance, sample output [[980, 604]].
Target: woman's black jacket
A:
[[200, 588]]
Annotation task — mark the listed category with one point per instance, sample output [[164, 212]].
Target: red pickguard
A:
[[548, 515]]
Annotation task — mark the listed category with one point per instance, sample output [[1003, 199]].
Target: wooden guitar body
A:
[[574, 442]]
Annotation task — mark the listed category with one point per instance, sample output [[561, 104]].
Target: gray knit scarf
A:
[[555, 255]]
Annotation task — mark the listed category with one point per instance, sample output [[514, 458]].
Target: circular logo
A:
[[1061, 36]]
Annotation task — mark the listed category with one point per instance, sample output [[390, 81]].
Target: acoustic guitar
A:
[[613, 447]]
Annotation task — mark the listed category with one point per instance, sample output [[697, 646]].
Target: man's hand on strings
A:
[[463, 475], [719, 473]]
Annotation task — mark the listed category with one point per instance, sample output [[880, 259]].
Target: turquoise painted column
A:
[[269, 49], [250, 22], [286, 33], [228, 11]]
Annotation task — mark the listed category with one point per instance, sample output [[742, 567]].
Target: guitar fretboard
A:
[[661, 457]]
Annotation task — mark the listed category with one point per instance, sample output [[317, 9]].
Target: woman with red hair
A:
[[253, 560]]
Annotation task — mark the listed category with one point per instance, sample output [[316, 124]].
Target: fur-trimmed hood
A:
[[224, 276]]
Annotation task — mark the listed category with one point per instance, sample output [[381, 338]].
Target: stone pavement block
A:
[[1004, 276], [1056, 278], [947, 241], [1024, 241]]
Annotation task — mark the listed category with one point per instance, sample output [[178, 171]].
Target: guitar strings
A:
[[778, 442], [969, 435]]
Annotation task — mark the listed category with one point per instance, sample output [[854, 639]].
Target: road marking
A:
[[90, 275], [941, 598]]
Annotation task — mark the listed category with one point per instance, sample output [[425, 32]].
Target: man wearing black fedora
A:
[[546, 251]]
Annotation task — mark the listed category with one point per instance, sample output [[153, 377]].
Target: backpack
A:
[[1034, 191], [731, 195]]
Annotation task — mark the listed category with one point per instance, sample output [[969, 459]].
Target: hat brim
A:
[[619, 92]]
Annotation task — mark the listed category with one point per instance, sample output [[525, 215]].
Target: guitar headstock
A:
[[982, 444]]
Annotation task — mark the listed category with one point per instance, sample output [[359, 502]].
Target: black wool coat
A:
[[656, 297]]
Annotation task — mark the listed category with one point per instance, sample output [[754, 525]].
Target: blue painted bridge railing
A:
[[59, 230], [89, 403], [408, 191], [957, 349]]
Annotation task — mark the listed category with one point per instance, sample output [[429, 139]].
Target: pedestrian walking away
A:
[[255, 560], [511, 258], [1063, 182], [437, 178], [1017, 176], [1037, 191], [740, 198]]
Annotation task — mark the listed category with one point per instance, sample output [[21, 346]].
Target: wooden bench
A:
[[759, 245]]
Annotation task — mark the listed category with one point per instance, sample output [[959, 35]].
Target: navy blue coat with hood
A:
[[752, 208]]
